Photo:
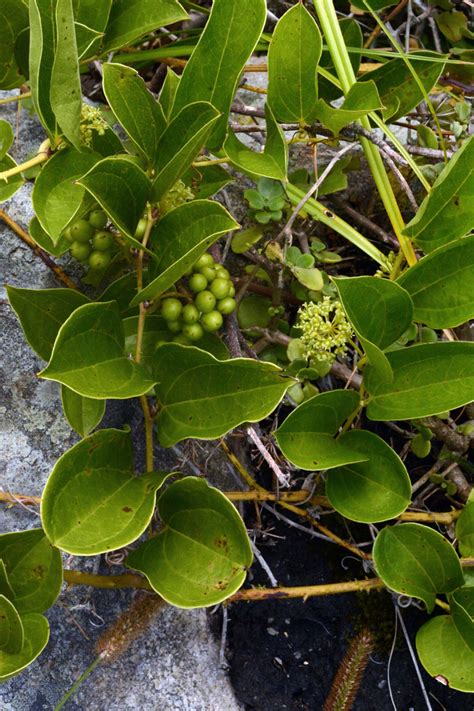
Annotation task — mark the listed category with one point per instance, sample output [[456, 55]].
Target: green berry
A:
[[141, 227], [197, 283], [171, 309], [190, 314], [205, 301], [102, 241], [420, 446], [231, 290], [174, 326], [208, 272], [428, 335], [67, 235], [98, 219], [80, 251], [205, 260], [212, 321], [220, 288], [193, 331], [222, 273], [81, 231], [99, 260], [226, 306]]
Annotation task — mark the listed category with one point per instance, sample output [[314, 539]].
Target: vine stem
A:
[[78, 682], [42, 156], [17, 97]]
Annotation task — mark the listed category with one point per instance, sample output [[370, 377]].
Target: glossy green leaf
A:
[[42, 312], [122, 189], [417, 561], [465, 530], [91, 21], [36, 629], [65, 92], [180, 238], [359, 101], [168, 91], [41, 60], [427, 379], [311, 278], [93, 502], [155, 331], [122, 291], [461, 603], [57, 198], [13, 19], [272, 162], [293, 57], [444, 654], [82, 413], [306, 437], [134, 107], [43, 240], [34, 569], [11, 629], [215, 66], [201, 556], [6, 137], [207, 180], [131, 19], [184, 137], [5, 587], [441, 285], [9, 187], [448, 211], [375, 490], [89, 356], [205, 398]]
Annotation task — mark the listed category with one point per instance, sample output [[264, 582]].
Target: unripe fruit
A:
[[428, 335], [171, 309], [205, 301], [190, 314], [98, 219], [226, 306], [212, 321], [205, 260], [141, 227], [220, 288], [420, 446], [231, 290], [99, 260], [222, 273], [81, 231], [208, 272], [80, 251], [102, 241], [67, 235], [174, 326], [193, 331], [197, 283]]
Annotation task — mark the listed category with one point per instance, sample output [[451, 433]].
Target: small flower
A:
[[175, 196], [325, 330], [91, 120], [385, 269]]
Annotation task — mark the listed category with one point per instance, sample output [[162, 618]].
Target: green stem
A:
[[42, 155], [17, 97], [77, 683]]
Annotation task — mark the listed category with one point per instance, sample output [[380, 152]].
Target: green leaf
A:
[[427, 379], [207, 180], [91, 21], [441, 285], [131, 19], [352, 35], [306, 437], [134, 107], [57, 198], [271, 163], [13, 19], [375, 490], [445, 654], [397, 87], [122, 290], [122, 189], [168, 91], [465, 530], [180, 238], [65, 92], [155, 331], [414, 560], [293, 57], [6, 137], [89, 356], [41, 60], [184, 137], [93, 502], [5, 587], [454, 26], [375, 5], [461, 603], [82, 413], [10, 186], [34, 569], [201, 556], [310, 278], [243, 240], [11, 629], [42, 238], [205, 398], [36, 629], [42, 312], [448, 211], [215, 66], [360, 100]]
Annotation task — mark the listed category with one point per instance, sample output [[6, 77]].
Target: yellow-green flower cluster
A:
[[325, 330], [385, 270], [178, 194], [91, 120]]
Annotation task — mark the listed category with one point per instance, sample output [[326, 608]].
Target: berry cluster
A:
[[91, 243], [213, 299]]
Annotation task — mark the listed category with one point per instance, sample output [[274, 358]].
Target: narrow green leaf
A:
[[461, 603], [445, 654], [441, 285], [375, 490], [465, 530], [214, 69], [131, 19], [359, 101], [184, 137], [42, 312], [41, 60], [293, 57], [13, 19], [36, 629], [271, 163], [134, 107], [202, 555], [168, 91], [93, 502], [34, 569], [180, 238], [306, 437], [65, 92], [11, 629], [448, 211], [204, 398], [414, 560], [82, 413], [427, 379]]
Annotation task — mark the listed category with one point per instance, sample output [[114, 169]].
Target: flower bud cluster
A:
[[325, 330], [91, 120]]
